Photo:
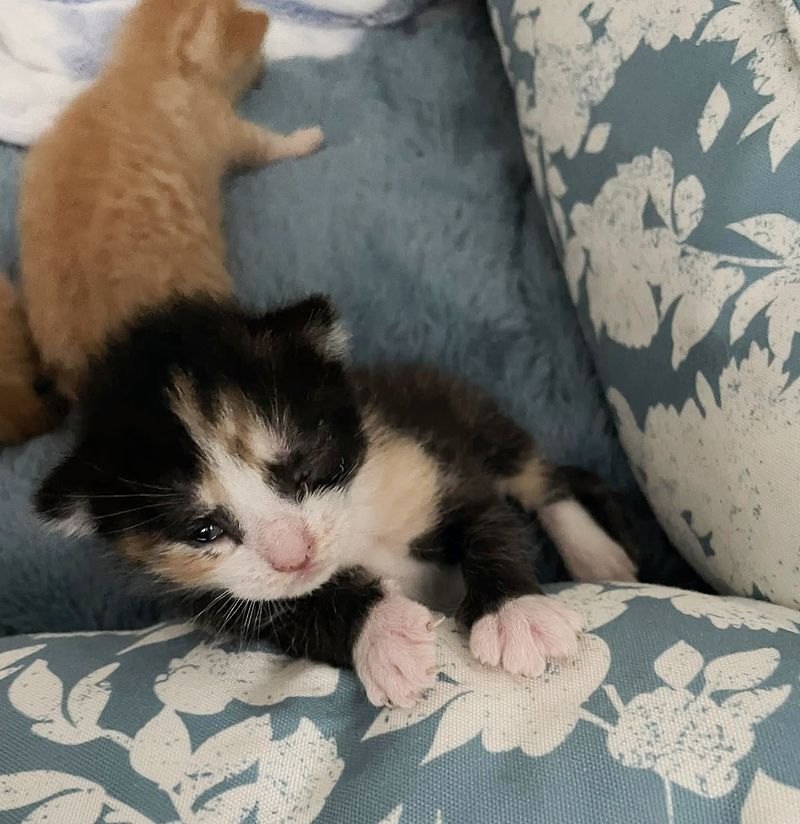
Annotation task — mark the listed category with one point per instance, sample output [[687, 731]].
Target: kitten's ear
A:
[[246, 30], [197, 36], [62, 500], [315, 319]]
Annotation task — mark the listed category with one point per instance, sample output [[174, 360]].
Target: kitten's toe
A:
[[307, 141], [395, 655], [524, 633]]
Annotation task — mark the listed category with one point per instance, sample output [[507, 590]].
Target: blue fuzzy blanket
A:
[[418, 218]]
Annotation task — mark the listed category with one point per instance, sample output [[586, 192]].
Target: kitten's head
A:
[[218, 41], [217, 448]]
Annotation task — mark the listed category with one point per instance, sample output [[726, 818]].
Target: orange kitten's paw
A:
[[306, 141]]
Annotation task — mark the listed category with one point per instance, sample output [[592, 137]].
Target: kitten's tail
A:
[[24, 411], [582, 516]]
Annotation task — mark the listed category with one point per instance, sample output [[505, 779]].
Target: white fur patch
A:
[[588, 552], [78, 524], [337, 340]]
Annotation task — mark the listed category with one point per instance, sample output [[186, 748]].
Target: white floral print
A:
[[575, 71], [261, 753], [724, 448], [505, 711], [207, 679], [727, 613], [694, 739], [768, 31], [290, 777], [663, 250], [623, 260]]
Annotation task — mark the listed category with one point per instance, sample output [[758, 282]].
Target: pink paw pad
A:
[[395, 655], [524, 633]]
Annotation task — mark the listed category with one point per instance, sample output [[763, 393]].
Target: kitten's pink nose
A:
[[288, 547]]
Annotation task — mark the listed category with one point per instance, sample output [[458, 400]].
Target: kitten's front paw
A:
[[524, 633], [395, 655], [306, 141]]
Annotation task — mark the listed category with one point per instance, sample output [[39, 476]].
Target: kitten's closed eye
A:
[[301, 475]]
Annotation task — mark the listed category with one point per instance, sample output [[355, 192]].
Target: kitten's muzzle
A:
[[288, 547]]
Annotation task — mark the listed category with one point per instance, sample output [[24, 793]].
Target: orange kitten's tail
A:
[[23, 412]]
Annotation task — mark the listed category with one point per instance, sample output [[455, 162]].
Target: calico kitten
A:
[[295, 498], [23, 412], [120, 205]]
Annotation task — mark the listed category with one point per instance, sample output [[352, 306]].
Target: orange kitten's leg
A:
[[254, 145]]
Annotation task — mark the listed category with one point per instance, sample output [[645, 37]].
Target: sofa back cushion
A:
[[663, 139]]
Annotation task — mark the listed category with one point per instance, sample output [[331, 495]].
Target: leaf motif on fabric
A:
[[741, 670], [11, 656], [297, 774], [159, 635], [575, 69], [89, 697], [777, 293], [623, 261], [207, 679], [770, 800], [234, 806], [161, 750], [767, 31], [30, 787], [225, 755], [679, 665], [756, 705], [597, 138], [37, 693], [713, 117], [85, 806], [730, 612], [688, 204]]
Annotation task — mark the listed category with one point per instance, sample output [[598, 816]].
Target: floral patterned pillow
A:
[[680, 707], [663, 138]]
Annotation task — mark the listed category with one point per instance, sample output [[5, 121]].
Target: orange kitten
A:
[[120, 204], [22, 411]]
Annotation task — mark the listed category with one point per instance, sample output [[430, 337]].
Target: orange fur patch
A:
[[170, 563], [235, 427], [529, 486], [22, 413], [191, 571]]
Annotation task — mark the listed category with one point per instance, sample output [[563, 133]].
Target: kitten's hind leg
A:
[[253, 145], [589, 527]]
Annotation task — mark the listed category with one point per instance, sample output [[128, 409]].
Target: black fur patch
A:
[[323, 625], [458, 424]]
